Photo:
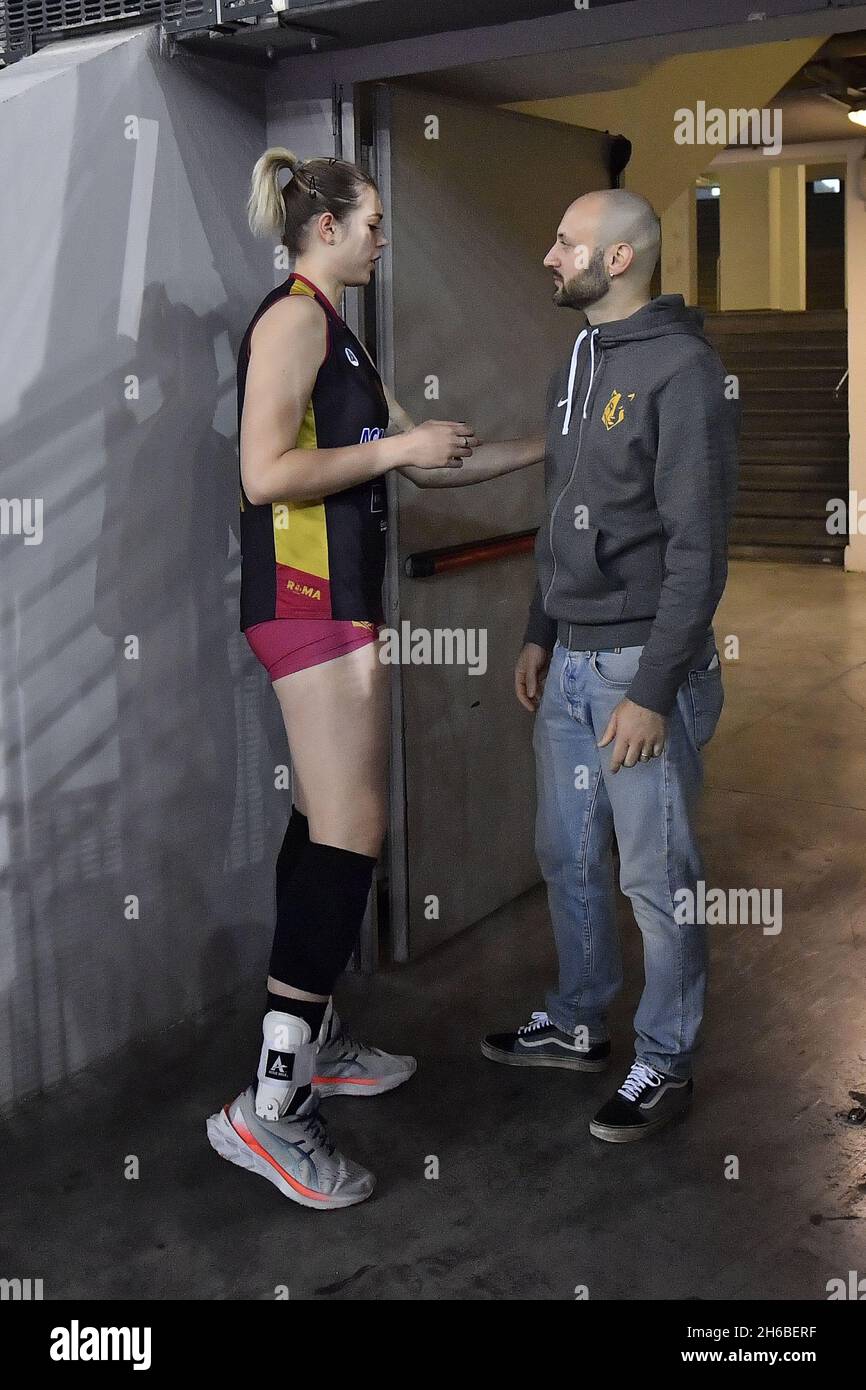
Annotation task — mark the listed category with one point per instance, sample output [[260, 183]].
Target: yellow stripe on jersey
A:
[[297, 288], [300, 528]]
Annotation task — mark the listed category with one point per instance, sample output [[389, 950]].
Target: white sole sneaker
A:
[[366, 1085], [241, 1147]]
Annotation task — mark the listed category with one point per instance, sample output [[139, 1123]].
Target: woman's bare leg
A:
[[336, 717]]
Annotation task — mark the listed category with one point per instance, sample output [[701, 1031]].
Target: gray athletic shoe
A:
[[346, 1067], [293, 1153]]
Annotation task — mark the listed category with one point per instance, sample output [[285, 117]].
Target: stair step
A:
[[776, 321], [786, 554], [810, 403], [812, 374], [807, 359], [747, 336], [829, 479], [792, 342], [792, 378], [821, 448], [784, 530], [776, 420], [815, 382], [776, 503]]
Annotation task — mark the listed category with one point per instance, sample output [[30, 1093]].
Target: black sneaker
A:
[[540, 1043], [645, 1101]]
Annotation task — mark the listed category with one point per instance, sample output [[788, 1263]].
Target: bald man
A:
[[619, 657]]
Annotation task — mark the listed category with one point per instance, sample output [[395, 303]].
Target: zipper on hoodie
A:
[[592, 377]]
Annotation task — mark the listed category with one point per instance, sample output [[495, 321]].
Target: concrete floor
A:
[[527, 1204]]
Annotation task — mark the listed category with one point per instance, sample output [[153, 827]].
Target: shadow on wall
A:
[[128, 776], [130, 274]]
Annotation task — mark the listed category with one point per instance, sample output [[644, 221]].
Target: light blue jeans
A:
[[651, 808]]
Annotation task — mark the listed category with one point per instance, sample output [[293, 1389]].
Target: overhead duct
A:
[[288, 27]]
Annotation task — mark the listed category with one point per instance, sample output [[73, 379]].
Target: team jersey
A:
[[323, 558]]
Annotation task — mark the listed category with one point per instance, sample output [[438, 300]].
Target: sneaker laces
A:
[[640, 1076], [539, 1020], [343, 1039], [346, 1043], [315, 1128]]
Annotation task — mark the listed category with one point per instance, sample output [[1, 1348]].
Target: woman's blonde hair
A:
[[316, 186]]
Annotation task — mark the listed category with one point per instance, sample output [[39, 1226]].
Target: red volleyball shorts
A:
[[286, 645]]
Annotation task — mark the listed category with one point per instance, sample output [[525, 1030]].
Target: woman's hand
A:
[[437, 444]]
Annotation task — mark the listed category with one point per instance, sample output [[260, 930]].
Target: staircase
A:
[[794, 439]]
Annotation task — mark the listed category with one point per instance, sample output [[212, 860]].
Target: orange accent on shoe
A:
[[250, 1139], [345, 1080]]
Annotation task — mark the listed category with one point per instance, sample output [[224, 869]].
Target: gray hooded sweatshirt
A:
[[640, 474]]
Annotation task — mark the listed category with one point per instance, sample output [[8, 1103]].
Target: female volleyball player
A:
[[312, 422]]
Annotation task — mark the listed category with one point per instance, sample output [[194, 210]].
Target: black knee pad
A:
[[296, 836], [319, 916]]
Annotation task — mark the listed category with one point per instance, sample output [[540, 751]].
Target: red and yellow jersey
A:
[[323, 558]]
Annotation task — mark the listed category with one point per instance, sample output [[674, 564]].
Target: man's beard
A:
[[587, 287]]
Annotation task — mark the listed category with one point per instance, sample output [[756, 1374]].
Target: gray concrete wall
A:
[[139, 739]]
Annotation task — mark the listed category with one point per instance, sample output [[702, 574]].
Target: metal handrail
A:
[[426, 563]]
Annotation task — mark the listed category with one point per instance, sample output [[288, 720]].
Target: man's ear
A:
[[623, 255]]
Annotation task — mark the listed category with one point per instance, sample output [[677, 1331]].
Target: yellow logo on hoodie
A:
[[614, 411]]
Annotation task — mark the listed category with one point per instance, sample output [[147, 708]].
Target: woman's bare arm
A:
[[492, 460], [287, 347]]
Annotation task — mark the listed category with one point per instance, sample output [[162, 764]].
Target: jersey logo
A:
[[614, 412], [351, 356], [305, 590]]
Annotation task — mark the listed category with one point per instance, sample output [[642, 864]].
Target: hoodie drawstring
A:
[[571, 375], [573, 372], [591, 369]]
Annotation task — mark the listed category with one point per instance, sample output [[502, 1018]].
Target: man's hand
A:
[[640, 734], [530, 674]]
